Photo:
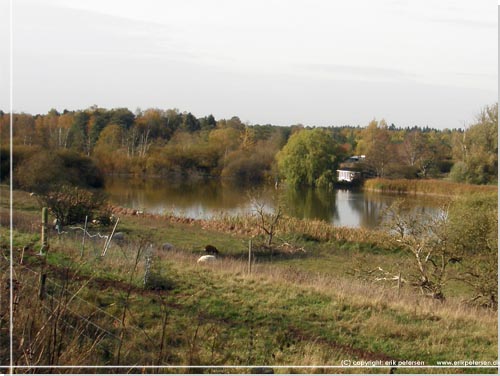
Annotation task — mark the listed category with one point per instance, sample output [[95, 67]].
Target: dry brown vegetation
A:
[[425, 187]]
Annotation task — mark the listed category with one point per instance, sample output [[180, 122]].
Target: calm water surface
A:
[[208, 198]]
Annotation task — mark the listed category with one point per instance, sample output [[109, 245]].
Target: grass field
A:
[[304, 304]]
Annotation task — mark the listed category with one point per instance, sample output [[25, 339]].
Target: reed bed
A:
[[317, 230], [426, 187]]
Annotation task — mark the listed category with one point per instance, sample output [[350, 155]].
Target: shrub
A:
[[474, 234], [402, 172], [458, 172], [246, 167], [71, 205], [80, 170], [40, 170]]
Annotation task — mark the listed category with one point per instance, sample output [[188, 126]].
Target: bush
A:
[[40, 171], [19, 155], [474, 234], [71, 205], [402, 172], [80, 170], [246, 167], [458, 172]]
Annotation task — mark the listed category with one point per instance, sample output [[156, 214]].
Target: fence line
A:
[[137, 329], [80, 316], [60, 232], [76, 296]]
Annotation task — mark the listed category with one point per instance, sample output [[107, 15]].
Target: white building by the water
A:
[[347, 175]]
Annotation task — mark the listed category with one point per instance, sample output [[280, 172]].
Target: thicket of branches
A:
[[461, 243]]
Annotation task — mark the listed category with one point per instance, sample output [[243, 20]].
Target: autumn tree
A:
[[413, 148], [64, 123], [4, 128], [224, 141], [46, 129], [423, 151], [107, 150], [376, 144], [23, 129]]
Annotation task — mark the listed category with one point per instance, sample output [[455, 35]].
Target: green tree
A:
[[122, 117], [78, 133], [477, 148], [208, 123], [99, 119], [310, 158], [190, 123], [473, 228]]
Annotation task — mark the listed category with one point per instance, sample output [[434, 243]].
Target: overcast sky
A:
[[315, 62]]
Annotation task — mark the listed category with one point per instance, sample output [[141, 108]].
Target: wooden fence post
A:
[[250, 256], [108, 241], [45, 242], [41, 287], [399, 284], [84, 234]]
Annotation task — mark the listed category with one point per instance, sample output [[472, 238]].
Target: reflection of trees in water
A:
[[375, 205], [202, 198], [183, 194], [311, 203], [363, 212], [371, 216]]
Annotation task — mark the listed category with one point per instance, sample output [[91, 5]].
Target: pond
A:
[[206, 198]]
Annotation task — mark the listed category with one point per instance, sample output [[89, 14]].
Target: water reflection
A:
[[310, 203], [206, 198]]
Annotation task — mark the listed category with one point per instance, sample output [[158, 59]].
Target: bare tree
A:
[[426, 238], [267, 220]]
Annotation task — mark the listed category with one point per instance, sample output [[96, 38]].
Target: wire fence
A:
[[58, 291], [86, 234], [81, 313]]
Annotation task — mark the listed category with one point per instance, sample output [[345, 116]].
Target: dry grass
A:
[[427, 187], [205, 291], [357, 292]]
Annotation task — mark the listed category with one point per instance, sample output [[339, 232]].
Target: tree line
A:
[[163, 142]]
